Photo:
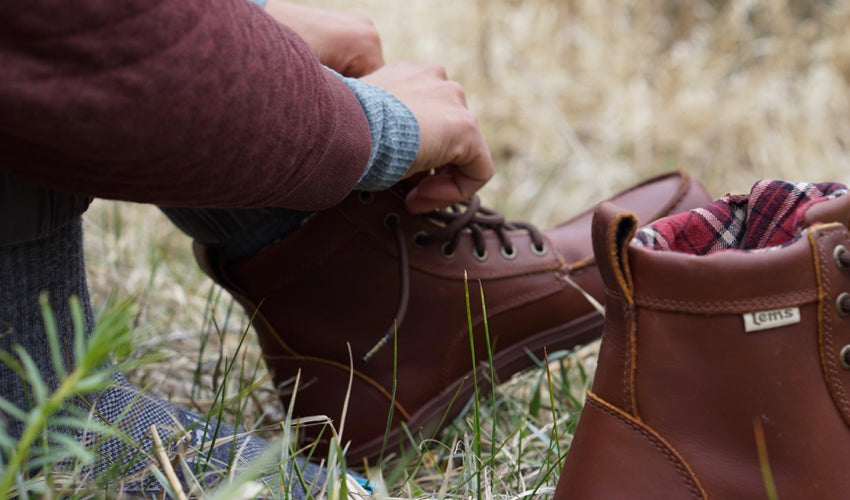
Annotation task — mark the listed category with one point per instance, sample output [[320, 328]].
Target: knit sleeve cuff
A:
[[395, 136]]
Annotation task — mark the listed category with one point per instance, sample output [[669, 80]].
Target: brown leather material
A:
[[611, 237], [649, 200], [608, 431], [335, 283], [667, 280], [613, 228], [702, 383], [834, 331]]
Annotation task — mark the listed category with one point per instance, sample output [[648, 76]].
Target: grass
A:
[[578, 98], [46, 462]]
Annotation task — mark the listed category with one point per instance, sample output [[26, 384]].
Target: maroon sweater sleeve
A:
[[175, 102]]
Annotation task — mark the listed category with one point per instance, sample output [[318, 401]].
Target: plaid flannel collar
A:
[[770, 216]]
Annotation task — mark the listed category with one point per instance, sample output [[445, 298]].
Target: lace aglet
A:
[[377, 347]]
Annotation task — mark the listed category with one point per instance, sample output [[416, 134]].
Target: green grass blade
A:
[[492, 368], [52, 332], [476, 415]]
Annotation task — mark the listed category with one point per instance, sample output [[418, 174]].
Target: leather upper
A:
[[335, 284]]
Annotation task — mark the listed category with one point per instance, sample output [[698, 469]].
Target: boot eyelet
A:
[[509, 254], [540, 252], [365, 197], [479, 257], [444, 250], [839, 251], [419, 239], [842, 311], [844, 357], [391, 220]]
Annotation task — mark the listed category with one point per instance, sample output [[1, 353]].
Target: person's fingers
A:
[[367, 62], [451, 184], [437, 70], [450, 138], [449, 132], [439, 191], [347, 43], [362, 48], [459, 93], [433, 192]]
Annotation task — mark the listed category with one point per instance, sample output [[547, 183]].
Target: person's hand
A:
[[347, 43], [450, 141]]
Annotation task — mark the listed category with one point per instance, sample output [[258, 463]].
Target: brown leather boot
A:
[[349, 272], [727, 330]]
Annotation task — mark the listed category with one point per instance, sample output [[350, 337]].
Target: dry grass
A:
[[578, 98]]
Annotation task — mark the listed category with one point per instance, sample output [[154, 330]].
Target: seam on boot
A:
[[825, 341], [795, 298], [258, 320], [358, 376], [673, 457], [627, 374], [631, 315]]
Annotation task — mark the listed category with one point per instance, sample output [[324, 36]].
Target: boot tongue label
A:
[[764, 320]]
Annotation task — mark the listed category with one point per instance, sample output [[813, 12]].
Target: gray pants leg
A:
[[238, 233]]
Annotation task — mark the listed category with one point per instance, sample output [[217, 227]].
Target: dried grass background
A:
[[577, 98]]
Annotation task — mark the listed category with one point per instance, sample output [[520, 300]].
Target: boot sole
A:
[[451, 401]]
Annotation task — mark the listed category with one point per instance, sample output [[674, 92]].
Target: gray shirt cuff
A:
[[395, 135]]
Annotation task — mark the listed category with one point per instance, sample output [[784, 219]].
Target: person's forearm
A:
[[187, 103]]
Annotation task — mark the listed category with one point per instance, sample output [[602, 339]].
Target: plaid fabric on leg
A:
[[769, 216]]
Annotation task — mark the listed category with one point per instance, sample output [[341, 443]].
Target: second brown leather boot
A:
[[344, 277], [726, 352]]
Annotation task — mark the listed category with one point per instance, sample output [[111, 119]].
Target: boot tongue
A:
[[774, 213]]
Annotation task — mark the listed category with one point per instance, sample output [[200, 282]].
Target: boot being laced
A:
[[468, 216], [352, 275]]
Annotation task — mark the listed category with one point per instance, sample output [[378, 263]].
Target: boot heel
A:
[[612, 454]]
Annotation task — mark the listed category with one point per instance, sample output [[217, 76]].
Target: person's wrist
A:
[[394, 133]]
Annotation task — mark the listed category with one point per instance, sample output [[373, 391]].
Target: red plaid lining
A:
[[768, 217]]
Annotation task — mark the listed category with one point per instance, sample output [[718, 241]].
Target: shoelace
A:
[[452, 222]]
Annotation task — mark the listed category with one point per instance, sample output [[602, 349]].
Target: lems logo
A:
[[764, 320]]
